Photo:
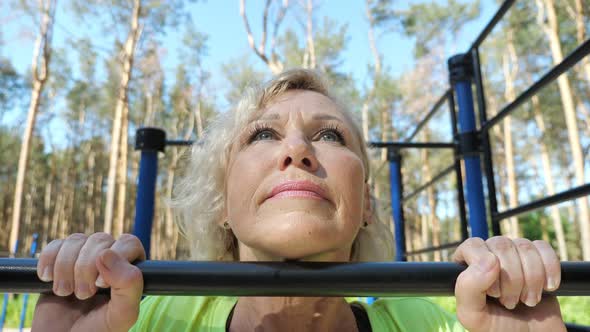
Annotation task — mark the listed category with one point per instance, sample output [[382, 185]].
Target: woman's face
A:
[[295, 186]]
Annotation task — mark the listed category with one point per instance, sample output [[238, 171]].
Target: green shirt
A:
[[200, 313]]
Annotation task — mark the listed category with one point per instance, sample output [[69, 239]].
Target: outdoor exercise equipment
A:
[[471, 144]]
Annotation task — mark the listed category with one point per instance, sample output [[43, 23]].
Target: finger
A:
[[130, 248], [473, 283], [533, 271], [126, 283], [85, 271], [551, 264], [63, 271], [511, 276], [47, 260]]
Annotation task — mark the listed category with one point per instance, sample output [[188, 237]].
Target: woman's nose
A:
[[298, 152]]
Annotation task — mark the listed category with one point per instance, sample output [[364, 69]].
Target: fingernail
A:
[[486, 264], [82, 291], [63, 288], [100, 282], [551, 284], [510, 302], [47, 271], [531, 299]]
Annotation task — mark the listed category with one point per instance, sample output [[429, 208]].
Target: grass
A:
[[14, 310], [575, 309]]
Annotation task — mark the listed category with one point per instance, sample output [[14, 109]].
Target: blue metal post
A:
[[461, 73], [23, 313], [395, 177], [149, 141]]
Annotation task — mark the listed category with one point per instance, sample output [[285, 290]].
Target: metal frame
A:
[[289, 278]]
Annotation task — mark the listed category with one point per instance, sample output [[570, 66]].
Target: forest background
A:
[[77, 78]]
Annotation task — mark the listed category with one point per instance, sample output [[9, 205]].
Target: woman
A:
[[285, 178]]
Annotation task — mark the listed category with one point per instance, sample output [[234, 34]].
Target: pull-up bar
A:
[[290, 278]]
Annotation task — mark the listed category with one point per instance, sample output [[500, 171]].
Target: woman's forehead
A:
[[308, 103]]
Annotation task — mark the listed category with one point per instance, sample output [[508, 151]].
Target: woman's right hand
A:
[[77, 266]]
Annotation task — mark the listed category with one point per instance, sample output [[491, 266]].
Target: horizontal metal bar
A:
[[563, 196], [576, 328], [439, 176], [406, 145], [572, 59], [492, 24], [178, 142], [430, 114], [431, 249], [290, 279]]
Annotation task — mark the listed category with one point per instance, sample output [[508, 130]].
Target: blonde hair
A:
[[199, 194]]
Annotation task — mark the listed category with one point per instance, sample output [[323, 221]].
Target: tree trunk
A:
[[89, 208], [552, 31], [581, 36], [122, 176], [510, 68], [128, 56], [40, 71], [549, 182], [46, 212], [432, 204]]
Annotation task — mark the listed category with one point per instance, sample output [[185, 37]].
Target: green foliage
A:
[[427, 22], [14, 310], [12, 87], [574, 309]]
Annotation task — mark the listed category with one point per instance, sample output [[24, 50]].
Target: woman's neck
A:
[[292, 314]]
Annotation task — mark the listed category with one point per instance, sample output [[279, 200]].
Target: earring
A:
[[365, 224], [226, 225]]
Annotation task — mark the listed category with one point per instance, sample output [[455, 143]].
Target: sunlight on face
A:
[[295, 186]]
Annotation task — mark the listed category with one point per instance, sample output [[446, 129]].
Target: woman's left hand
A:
[[514, 274]]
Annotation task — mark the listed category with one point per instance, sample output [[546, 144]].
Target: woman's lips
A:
[[298, 189]]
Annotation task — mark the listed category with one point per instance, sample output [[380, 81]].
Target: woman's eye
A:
[[331, 136], [263, 135]]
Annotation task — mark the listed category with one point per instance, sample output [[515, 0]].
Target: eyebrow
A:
[[276, 116]]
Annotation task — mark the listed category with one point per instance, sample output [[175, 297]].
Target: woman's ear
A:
[[368, 207]]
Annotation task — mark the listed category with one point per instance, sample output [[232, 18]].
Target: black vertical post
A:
[[485, 142]]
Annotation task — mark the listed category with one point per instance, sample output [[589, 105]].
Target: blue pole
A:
[[149, 141], [6, 296], [23, 313], [395, 178], [144, 206], [461, 73]]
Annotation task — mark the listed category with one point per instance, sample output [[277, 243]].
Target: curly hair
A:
[[198, 199]]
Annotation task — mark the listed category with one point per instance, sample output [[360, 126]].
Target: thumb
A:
[[470, 291], [126, 282]]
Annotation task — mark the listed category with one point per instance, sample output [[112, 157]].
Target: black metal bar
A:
[[572, 59], [290, 279], [439, 176], [567, 195], [430, 114], [576, 328], [492, 24], [403, 145], [485, 141], [178, 142], [457, 167], [431, 249]]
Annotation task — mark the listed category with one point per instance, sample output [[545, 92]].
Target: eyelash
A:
[[261, 127]]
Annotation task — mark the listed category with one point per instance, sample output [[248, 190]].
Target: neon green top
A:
[[200, 313]]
